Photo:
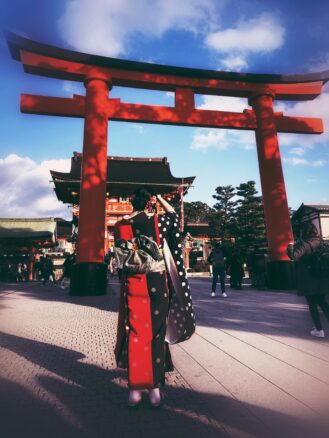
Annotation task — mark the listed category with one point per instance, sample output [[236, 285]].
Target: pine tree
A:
[[250, 230], [223, 220], [197, 212]]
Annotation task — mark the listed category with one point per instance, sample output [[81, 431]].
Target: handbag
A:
[[139, 255]]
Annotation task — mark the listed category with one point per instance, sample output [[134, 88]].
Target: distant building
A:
[[200, 241], [20, 242], [318, 214], [64, 231]]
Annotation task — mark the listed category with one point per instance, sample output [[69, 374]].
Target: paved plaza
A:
[[251, 369]]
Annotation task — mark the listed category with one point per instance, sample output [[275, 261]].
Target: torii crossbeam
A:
[[99, 74]]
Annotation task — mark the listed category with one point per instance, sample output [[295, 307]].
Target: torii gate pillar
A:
[[89, 273], [280, 270]]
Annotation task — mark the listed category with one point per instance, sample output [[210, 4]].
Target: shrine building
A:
[[124, 176], [318, 214]]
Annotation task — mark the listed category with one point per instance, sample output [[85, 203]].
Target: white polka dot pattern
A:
[[181, 321]]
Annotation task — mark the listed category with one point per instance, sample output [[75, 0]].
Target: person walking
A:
[[217, 260], [155, 302], [48, 270], [309, 282], [19, 277]]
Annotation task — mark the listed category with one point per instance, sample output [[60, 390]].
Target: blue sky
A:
[[245, 35]]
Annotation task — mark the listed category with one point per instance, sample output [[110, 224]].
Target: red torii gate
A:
[[99, 74]]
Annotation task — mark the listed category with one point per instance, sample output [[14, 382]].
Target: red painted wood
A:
[[117, 111], [90, 247], [63, 69], [123, 230], [278, 225], [53, 106], [98, 108]]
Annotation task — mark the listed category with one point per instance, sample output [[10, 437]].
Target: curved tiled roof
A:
[[27, 229], [124, 175]]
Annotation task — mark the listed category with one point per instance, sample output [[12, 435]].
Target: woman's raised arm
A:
[[165, 204]]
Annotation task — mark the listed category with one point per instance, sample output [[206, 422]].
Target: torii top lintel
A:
[[60, 63]]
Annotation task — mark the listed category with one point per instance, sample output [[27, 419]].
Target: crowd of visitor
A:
[[13, 271], [235, 263]]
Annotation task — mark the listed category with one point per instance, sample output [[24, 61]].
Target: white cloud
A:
[[105, 26], [234, 63], [204, 139], [138, 128], [296, 161], [297, 151], [71, 88], [224, 103], [25, 190], [223, 138], [319, 63], [259, 35]]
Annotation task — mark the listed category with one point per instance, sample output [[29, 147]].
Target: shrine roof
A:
[[197, 229], [306, 209], [317, 207], [124, 176], [27, 230], [17, 43]]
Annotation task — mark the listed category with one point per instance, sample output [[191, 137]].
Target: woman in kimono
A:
[[155, 307]]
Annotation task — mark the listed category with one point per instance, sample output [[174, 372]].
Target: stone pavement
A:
[[251, 369]]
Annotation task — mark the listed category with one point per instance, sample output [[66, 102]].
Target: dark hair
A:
[[309, 230], [141, 197]]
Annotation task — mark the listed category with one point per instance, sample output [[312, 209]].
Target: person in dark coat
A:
[[48, 270], [236, 269], [67, 269], [308, 282], [256, 265], [217, 260]]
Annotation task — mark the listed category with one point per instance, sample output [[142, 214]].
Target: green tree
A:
[[249, 217], [223, 221], [197, 212]]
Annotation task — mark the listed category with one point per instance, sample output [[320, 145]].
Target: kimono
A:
[[155, 307]]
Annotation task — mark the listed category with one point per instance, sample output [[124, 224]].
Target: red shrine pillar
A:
[[89, 273], [30, 264], [278, 226]]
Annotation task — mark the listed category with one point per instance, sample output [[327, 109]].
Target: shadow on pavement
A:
[[81, 399], [265, 312], [53, 293]]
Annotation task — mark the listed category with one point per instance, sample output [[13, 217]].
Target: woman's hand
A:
[[166, 206]]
